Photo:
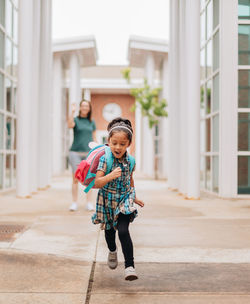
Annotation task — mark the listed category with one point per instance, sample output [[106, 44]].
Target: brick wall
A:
[[125, 101]]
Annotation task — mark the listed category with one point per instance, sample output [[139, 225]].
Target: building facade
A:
[[25, 95], [209, 74]]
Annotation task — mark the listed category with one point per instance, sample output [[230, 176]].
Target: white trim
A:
[[243, 153], [243, 22], [74, 43], [210, 77], [243, 110], [243, 67], [111, 83], [210, 153], [148, 44]]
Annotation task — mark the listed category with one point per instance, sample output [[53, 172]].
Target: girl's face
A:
[[118, 144], [84, 109]]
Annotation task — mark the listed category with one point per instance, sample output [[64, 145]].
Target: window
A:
[[243, 174], [8, 85], [2, 44], [244, 132], [210, 97], [216, 96], [243, 44], [1, 91], [2, 10], [244, 9]]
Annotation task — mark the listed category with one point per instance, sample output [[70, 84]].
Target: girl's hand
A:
[[116, 173], [139, 202], [73, 108]]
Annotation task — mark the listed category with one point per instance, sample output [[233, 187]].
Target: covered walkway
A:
[[185, 251]]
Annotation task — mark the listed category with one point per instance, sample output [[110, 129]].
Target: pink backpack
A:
[[86, 171]]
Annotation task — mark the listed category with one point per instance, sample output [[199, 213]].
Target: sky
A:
[[111, 22]]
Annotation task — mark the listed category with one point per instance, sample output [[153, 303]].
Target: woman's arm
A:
[[101, 179], [71, 122]]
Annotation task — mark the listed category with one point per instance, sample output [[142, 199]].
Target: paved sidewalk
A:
[[185, 251]]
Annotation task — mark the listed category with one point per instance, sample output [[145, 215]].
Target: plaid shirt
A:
[[116, 196]]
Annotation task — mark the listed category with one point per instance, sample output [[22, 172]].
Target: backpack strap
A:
[[93, 149], [91, 174], [109, 158], [90, 185], [132, 163]]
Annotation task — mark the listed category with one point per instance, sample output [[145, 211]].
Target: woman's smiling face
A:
[[84, 109], [118, 143]]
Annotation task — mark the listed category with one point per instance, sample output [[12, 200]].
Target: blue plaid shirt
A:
[[115, 197]]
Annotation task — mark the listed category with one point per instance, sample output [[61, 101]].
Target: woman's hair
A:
[[90, 109], [120, 124]]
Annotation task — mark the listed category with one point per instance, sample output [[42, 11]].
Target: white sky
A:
[[111, 22]]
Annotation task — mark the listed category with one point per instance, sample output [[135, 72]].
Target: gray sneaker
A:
[[112, 260], [130, 274]]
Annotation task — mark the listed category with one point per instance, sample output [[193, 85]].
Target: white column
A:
[[138, 138], [50, 90], [173, 178], [45, 104], [57, 115], [193, 97], [165, 151], [228, 171], [74, 86], [74, 73], [24, 98], [148, 134], [35, 95], [183, 60], [87, 95], [150, 69]]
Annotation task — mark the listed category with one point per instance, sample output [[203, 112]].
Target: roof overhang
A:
[[139, 47], [84, 47]]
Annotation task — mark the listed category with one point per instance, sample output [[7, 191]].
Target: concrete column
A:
[[148, 134], [74, 72], [57, 116], [138, 138], [25, 66], [173, 178], [165, 151], [50, 90], [35, 95], [228, 171], [87, 95], [74, 86], [183, 108], [150, 69], [193, 97], [45, 104]]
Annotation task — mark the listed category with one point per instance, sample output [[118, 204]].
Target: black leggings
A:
[[125, 239]]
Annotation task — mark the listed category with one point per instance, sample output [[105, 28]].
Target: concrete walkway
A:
[[185, 251]]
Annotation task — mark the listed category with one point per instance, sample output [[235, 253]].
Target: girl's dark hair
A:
[[123, 122], [90, 109]]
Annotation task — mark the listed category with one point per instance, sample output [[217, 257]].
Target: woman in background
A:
[[84, 129]]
